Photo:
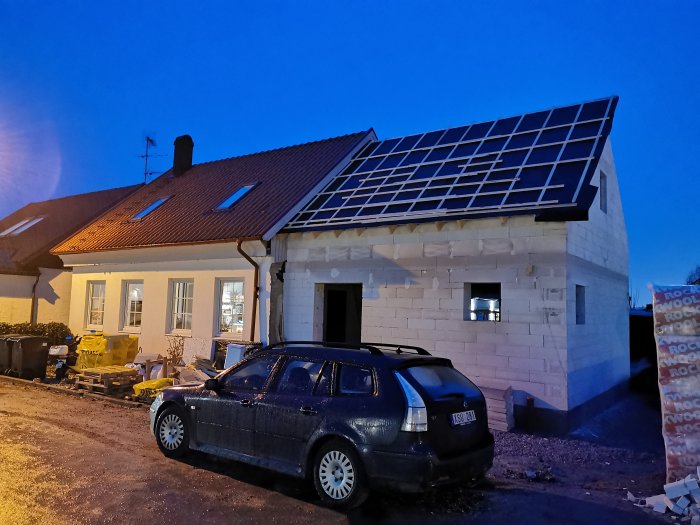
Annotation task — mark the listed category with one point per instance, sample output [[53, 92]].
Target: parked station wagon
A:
[[348, 418]]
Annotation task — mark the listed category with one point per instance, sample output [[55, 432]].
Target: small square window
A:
[[482, 302], [580, 304], [355, 381]]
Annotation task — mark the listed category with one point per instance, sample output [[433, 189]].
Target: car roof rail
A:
[[352, 346], [399, 349], [373, 348]]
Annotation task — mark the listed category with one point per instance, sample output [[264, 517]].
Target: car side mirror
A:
[[212, 384]]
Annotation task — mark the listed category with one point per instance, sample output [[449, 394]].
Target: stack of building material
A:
[[499, 404]]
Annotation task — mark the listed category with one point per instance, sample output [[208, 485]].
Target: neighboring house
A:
[[34, 286], [188, 254], [500, 245]]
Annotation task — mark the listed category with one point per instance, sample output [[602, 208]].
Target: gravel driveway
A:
[[65, 459]]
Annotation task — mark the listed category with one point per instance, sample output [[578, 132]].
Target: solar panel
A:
[[524, 164]]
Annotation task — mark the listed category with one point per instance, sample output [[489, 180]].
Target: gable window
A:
[[133, 305], [181, 296], [95, 304], [230, 307], [21, 226], [235, 197], [603, 192], [580, 304], [482, 302], [148, 209]]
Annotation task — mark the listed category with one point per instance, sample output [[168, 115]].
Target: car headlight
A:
[[157, 402]]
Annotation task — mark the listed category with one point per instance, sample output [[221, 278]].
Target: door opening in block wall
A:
[[342, 313]]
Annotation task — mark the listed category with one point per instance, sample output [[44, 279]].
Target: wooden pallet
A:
[[108, 380]]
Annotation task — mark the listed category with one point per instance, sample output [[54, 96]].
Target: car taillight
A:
[[416, 419]]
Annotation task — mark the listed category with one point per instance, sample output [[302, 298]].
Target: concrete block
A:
[[676, 489], [412, 292], [358, 253], [409, 251], [424, 324], [522, 363], [492, 360], [513, 350], [510, 374], [436, 314], [440, 249], [450, 346]]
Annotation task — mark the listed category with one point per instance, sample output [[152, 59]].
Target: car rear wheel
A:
[[339, 476], [172, 433]]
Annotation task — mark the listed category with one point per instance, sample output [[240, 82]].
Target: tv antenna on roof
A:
[[150, 142]]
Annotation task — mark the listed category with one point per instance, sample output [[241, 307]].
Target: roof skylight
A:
[[235, 197], [148, 209], [21, 226]]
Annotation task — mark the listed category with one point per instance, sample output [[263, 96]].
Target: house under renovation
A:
[[500, 245]]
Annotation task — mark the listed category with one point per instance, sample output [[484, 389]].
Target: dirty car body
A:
[[411, 420]]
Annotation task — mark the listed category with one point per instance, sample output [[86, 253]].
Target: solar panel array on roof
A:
[[525, 164]]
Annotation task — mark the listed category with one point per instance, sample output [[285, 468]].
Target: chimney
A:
[[182, 158]]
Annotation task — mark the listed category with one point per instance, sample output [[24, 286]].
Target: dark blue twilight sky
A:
[[83, 83]]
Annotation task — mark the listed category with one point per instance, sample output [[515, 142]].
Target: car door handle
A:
[[246, 403], [308, 411]]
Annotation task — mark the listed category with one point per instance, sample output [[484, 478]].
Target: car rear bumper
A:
[[418, 472]]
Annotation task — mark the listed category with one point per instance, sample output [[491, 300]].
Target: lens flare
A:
[[30, 160]]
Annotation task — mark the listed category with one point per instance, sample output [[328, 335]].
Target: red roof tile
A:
[[24, 252], [282, 178]]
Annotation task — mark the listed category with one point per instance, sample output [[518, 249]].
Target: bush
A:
[[56, 332]]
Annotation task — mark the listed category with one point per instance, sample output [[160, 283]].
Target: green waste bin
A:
[[30, 354], [6, 352]]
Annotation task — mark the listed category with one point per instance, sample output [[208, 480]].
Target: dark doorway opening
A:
[[342, 313]]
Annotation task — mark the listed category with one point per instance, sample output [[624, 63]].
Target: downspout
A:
[[32, 314], [256, 288]]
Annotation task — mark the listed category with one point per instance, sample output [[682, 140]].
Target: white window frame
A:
[[89, 296], [126, 307], [176, 302], [220, 282]]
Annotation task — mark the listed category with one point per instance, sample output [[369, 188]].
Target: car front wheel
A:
[[172, 433], [339, 476]]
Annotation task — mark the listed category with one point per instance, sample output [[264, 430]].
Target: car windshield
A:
[[440, 380]]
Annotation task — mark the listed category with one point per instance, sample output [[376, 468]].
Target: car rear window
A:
[[440, 380]]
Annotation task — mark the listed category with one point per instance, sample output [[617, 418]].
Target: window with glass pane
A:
[[134, 304], [96, 303], [182, 294], [231, 307]]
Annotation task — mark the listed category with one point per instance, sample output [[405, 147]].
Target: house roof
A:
[[281, 179], [539, 163], [38, 226]]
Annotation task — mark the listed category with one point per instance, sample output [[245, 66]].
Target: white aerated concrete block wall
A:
[[598, 260], [413, 281]]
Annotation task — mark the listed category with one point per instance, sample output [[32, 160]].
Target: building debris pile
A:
[[680, 497]]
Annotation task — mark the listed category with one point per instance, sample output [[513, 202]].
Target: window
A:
[[580, 304], [133, 304], [354, 380], [251, 375], [235, 197], [440, 381], [182, 293], [482, 302], [299, 377], [230, 307], [603, 192], [148, 209], [21, 226], [95, 304]]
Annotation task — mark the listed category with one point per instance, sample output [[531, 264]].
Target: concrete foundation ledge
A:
[[71, 392], [559, 423]]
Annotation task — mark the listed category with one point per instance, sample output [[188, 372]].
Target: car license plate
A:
[[463, 418]]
